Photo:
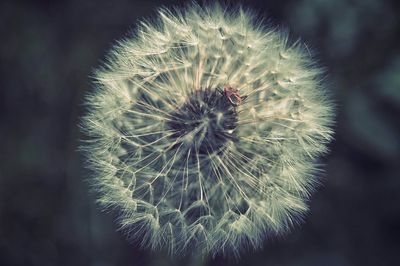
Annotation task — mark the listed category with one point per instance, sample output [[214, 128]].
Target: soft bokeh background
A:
[[49, 48]]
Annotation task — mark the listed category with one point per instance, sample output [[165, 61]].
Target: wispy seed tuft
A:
[[203, 131]]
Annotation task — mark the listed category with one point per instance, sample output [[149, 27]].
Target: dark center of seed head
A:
[[205, 122]]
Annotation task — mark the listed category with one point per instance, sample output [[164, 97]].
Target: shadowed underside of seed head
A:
[[205, 122]]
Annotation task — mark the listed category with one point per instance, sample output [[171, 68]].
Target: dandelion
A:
[[204, 130]]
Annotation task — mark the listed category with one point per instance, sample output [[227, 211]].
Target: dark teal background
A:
[[49, 48]]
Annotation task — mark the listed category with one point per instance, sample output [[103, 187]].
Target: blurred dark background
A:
[[48, 49]]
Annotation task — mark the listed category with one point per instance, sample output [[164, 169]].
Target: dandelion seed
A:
[[203, 131]]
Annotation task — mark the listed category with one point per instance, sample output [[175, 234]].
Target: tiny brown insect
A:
[[233, 95]]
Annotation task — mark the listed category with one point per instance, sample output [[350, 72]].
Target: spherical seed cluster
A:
[[203, 131]]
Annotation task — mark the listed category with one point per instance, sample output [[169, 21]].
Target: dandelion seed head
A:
[[204, 130]]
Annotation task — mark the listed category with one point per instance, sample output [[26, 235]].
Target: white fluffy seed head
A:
[[203, 131]]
